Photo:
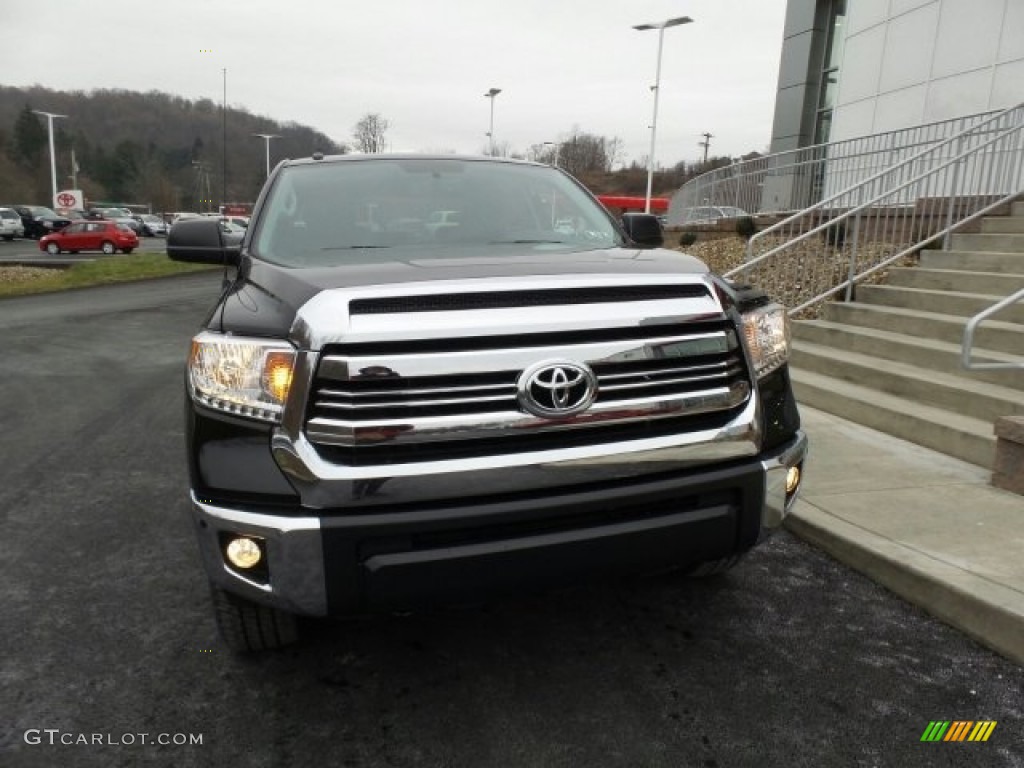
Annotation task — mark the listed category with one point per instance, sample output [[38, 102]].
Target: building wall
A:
[[904, 63]]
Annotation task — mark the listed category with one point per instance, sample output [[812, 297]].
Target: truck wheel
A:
[[714, 567], [246, 626]]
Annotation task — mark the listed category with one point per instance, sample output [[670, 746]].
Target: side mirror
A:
[[644, 229], [200, 240]]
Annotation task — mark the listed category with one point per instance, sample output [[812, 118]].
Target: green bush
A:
[[687, 239], [745, 227]]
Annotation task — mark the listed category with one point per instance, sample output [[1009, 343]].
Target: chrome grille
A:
[[677, 371]]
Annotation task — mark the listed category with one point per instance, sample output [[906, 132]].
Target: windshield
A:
[[342, 212], [39, 210]]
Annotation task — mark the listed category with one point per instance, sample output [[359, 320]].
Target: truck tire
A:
[[248, 627], [714, 567]]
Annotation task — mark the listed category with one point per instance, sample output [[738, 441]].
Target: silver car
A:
[[10, 224]]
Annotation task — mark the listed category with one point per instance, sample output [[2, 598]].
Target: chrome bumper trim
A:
[[294, 556], [776, 505]]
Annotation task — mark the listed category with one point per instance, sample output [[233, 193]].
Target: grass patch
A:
[[23, 281]]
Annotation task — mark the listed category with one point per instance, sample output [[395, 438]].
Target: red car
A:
[[106, 236]]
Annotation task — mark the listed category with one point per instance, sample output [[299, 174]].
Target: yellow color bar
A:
[[982, 730]]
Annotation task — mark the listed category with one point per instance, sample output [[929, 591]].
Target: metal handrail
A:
[[745, 184], [972, 326], [893, 213]]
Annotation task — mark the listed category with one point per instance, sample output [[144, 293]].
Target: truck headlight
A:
[[766, 330], [243, 376]]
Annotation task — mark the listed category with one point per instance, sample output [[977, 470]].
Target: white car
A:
[[10, 224]]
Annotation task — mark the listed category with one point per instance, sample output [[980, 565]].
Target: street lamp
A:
[[661, 27], [50, 116], [490, 134], [266, 140]]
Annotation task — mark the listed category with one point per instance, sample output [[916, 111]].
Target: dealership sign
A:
[[69, 198]]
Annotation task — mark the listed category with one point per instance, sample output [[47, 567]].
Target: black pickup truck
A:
[[385, 413]]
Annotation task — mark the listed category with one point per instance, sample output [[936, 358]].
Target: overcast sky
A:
[[426, 64]]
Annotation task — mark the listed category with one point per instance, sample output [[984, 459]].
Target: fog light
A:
[[792, 480], [243, 552]]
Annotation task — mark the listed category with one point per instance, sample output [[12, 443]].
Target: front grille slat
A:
[[329, 392], [411, 404], [691, 380]]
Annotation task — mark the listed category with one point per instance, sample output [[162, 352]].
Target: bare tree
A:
[[370, 132], [586, 153]]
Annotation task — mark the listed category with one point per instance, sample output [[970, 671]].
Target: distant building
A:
[[853, 68]]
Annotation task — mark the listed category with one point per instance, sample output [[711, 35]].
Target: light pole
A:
[[266, 140], [661, 27], [490, 134], [50, 116]]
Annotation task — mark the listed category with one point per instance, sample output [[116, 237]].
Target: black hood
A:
[[264, 299]]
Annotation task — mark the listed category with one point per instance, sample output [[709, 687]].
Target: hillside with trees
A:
[[167, 152], [146, 148]]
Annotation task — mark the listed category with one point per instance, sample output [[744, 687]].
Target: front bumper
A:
[[325, 563]]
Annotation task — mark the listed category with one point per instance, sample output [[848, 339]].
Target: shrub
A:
[[687, 239], [745, 227]]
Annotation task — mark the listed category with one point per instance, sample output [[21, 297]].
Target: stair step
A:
[[958, 393], [964, 305], [924, 353], [992, 283], [1002, 225], [996, 335], [989, 243], [964, 437], [974, 261]]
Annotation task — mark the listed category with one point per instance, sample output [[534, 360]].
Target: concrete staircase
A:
[[891, 359]]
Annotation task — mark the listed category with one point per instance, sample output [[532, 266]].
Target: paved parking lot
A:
[[790, 660], [22, 249]]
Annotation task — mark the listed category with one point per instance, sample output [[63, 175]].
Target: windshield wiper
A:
[[352, 247], [524, 242]]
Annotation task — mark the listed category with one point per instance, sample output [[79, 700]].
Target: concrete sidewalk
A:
[[926, 526]]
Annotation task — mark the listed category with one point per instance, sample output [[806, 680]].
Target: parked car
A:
[[77, 214], [121, 216], [152, 225], [10, 224], [38, 220], [233, 233], [709, 214], [106, 236]]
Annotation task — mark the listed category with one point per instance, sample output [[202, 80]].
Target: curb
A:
[[985, 610]]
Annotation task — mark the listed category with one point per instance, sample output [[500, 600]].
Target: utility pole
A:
[[224, 145], [706, 144]]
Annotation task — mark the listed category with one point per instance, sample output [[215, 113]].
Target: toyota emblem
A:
[[556, 389]]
